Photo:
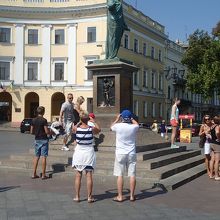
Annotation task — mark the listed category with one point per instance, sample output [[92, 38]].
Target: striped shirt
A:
[[84, 136]]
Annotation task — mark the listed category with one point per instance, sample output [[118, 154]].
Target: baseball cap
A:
[[92, 115], [126, 114]]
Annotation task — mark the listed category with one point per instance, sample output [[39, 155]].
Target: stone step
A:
[[178, 167], [109, 162], [110, 154], [182, 178], [170, 158], [28, 165], [143, 148], [159, 152]]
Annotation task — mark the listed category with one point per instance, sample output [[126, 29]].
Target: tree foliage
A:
[[202, 59]]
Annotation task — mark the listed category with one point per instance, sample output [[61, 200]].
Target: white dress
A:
[[84, 154]]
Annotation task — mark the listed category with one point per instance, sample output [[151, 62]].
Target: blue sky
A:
[[181, 18]]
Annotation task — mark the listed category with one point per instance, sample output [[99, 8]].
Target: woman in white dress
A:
[[84, 158]]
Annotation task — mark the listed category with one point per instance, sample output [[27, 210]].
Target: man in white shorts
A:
[[67, 119], [125, 155]]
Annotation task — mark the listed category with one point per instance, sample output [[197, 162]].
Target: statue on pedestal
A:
[[115, 28]]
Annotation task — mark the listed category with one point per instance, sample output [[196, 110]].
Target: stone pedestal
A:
[[112, 89]]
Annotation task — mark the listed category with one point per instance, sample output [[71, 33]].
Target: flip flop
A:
[[132, 200], [76, 199], [91, 200], [117, 200], [45, 177], [35, 177]]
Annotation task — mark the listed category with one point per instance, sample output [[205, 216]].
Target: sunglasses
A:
[[70, 98], [207, 119]]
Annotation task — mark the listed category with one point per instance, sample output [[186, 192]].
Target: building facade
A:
[[45, 46]]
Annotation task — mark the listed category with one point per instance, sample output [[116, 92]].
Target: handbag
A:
[[202, 141]]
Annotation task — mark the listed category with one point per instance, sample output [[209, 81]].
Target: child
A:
[[163, 129], [40, 130]]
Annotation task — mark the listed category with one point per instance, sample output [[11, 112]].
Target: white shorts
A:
[[68, 128], [207, 148], [125, 163]]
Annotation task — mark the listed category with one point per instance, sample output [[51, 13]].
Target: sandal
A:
[[35, 177], [45, 177], [76, 199], [116, 199], [132, 199], [91, 200]]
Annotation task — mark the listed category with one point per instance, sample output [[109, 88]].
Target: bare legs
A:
[[211, 164], [89, 180], [120, 184], [35, 164], [132, 187], [216, 165], [208, 164], [78, 178], [173, 135]]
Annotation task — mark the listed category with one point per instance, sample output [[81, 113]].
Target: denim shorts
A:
[[41, 148]]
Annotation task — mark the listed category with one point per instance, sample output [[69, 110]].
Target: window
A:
[[135, 107], [160, 82], [59, 71], [153, 109], [59, 36], [144, 49], [126, 41], [32, 36], [153, 80], [5, 35], [160, 56], [160, 110], [89, 74], [135, 45], [32, 71], [135, 78], [4, 70], [145, 78], [91, 34], [152, 53], [145, 109]]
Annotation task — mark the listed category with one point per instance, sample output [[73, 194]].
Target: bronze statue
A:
[[115, 28], [107, 85]]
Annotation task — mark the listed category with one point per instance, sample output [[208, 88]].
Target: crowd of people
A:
[[74, 121]]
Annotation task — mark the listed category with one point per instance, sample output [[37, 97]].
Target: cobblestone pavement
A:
[[24, 198]]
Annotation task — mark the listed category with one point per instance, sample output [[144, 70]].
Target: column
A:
[[46, 49], [19, 54], [71, 74]]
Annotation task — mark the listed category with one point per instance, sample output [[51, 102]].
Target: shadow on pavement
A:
[[146, 193], [3, 189]]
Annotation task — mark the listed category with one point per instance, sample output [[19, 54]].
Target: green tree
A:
[[202, 59], [216, 30]]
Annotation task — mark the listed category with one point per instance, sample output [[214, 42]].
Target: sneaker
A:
[[174, 146], [65, 148], [217, 178]]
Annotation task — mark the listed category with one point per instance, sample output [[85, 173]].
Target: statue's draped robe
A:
[[115, 28]]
